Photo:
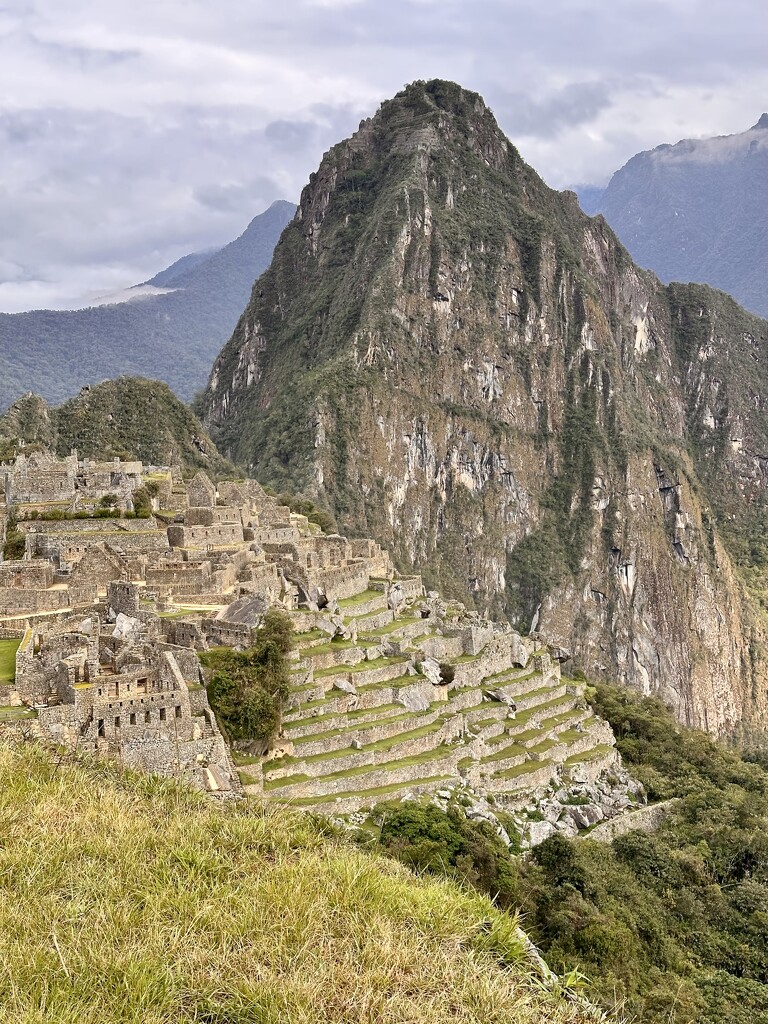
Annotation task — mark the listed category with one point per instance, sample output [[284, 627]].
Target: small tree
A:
[[248, 689], [14, 539]]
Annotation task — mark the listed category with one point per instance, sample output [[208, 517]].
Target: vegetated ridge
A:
[[698, 211], [172, 336], [466, 367], [128, 418], [130, 898]]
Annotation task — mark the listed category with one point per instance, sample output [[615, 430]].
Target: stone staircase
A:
[[364, 721]]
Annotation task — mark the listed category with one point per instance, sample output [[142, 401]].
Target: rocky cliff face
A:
[[463, 365]]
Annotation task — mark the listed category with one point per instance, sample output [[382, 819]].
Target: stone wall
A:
[[123, 597], [644, 819], [343, 581], [26, 575], [219, 632], [14, 602], [200, 537], [187, 574]]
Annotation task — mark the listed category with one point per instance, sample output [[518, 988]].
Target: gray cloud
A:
[[133, 132], [546, 118]]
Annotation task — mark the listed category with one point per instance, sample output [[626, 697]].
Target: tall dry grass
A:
[[128, 899]]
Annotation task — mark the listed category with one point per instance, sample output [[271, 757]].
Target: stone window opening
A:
[[162, 714], [178, 710], [100, 728], [132, 719], [117, 721], [147, 716]]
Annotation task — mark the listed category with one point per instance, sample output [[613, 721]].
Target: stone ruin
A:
[[393, 691]]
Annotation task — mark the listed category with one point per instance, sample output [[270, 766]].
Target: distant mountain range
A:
[[696, 211], [171, 334]]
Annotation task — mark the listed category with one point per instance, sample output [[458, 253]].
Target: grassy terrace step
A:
[[509, 676], [523, 717], [573, 735], [512, 750], [391, 627], [330, 647], [329, 734], [533, 698], [437, 753], [555, 720], [589, 755], [16, 714], [364, 597], [362, 666], [395, 683], [371, 794], [543, 747], [378, 746], [310, 636], [343, 716], [520, 770]]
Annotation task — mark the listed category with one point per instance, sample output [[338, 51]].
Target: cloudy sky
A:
[[134, 131]]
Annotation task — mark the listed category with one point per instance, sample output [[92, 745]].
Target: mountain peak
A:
[[762, 123]]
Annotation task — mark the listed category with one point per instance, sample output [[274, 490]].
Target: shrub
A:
[[248, 689]]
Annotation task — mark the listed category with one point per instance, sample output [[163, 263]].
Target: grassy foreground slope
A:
[[128, 899]]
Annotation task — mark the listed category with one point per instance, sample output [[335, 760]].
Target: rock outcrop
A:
[[466, 367]]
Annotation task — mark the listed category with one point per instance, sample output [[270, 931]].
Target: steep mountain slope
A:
[[465, 366], [129, 417], [698, 211], [170, 336]]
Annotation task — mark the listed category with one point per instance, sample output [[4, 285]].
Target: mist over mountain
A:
[[696, 211], [171, 336]]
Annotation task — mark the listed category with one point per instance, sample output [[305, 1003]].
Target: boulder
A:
[[395, 597], [430, 669], [124, 625], [585, 815], [538, 831]]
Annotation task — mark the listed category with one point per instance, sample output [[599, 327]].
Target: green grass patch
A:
[[362, 666], [513, 750], [519, 770], [589, 755], [8, 649], [363, 598], [349, 773], [15, 713], [390, 627]]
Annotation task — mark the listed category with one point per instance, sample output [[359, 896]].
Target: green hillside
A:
[[130, 417], [126, 899], [668, 927]]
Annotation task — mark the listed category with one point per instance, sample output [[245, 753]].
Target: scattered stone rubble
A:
[[394, 692]]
